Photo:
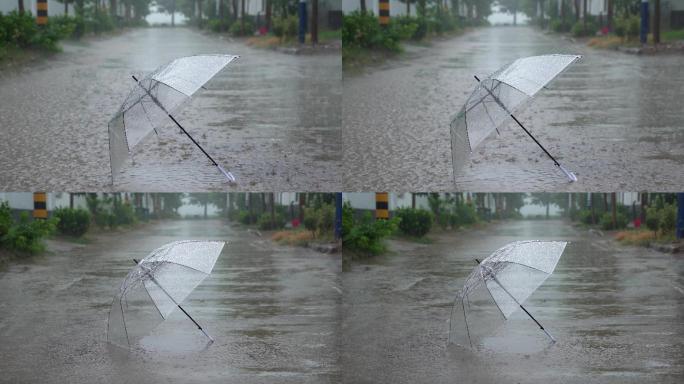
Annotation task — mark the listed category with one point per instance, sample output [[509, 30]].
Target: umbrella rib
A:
[[123, 318], [490, 294], [524, 265], [152, 300]]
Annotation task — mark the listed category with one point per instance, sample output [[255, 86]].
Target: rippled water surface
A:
[[273, 119], [613, 118]]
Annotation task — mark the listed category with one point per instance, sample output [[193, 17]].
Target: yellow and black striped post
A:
[[41, 12], [384, 12], [381, 205], [40, 205]]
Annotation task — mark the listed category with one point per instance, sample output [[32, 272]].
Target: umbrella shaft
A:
[[523, 308], [519, 123], [193, 140], [535, 140]]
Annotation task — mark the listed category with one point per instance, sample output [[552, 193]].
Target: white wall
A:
[[396, 7]]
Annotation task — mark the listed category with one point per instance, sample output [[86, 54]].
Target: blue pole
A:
[[338, 215], [680, 216], [643, 35], [302, 21]]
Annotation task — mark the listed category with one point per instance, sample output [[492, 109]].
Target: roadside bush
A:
[[237, 28], [217, 25], [122, 214], [417, 26], [606, 221], [285, 27], [366, 236], [363, 30], [27, 234], [246, 217], [72, 222], [668, 218], [581, 30], [627, 27], [265, 223], [653, 219], [5, 218], [560, 26], [414, 222], [465, 214], [584, 216], [320, 220]]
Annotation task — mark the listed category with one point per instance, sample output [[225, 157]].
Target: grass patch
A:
[[638, 237], [674, 35], [357, 57], [605, 42], [300, 238], [271, 41]]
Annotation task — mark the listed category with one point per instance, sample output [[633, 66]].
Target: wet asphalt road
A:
[[272, 310], [617, 312], [273, 119], [613, 118]]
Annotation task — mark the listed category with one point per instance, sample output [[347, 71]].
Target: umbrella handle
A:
[[571, 176], [227, 174]]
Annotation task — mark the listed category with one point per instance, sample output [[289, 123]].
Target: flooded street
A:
[[613, 118], [273, 119], [617, 312], [273, 311]]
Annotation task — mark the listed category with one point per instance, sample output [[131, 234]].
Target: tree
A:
[[202, 199], [168, 6], [510, 6], [314, 21], [21, 7], [363, 6]]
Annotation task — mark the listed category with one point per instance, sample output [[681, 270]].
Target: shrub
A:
[[653, 219], [73, 222], [363, 30], [5, 218], [414, 222], [122, 214], [237, 28], [265, 223], [217, 25], [246, 217], [466, 215], [366, 236], [285, 27], [27, 234], [627, 26], [668, 218], [606, 221], [581, 30], [560, 26], [320, 220], [584, 216]]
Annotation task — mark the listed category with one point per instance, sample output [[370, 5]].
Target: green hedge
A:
[[365, 236], [414, 222], [285, 27], [72, 222], [606, 221], [26, 235], [266, 222]]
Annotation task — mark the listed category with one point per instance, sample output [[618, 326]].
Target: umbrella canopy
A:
[[507, 278], [157, 285], [498, 97], [154, 98]]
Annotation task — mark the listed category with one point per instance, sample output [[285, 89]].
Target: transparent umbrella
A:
[[157, 285], [498, 97], [507, 278], [154, 98]]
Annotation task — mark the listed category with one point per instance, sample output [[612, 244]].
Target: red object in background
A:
[[604, 31], [262, 31], [637, 222], [295, 222]]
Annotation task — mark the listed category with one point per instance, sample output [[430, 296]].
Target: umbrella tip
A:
[[477, 78]]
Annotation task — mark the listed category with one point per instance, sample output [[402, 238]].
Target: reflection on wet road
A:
[[613, 118], [617, 312], [272, 310], [272, 119]]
